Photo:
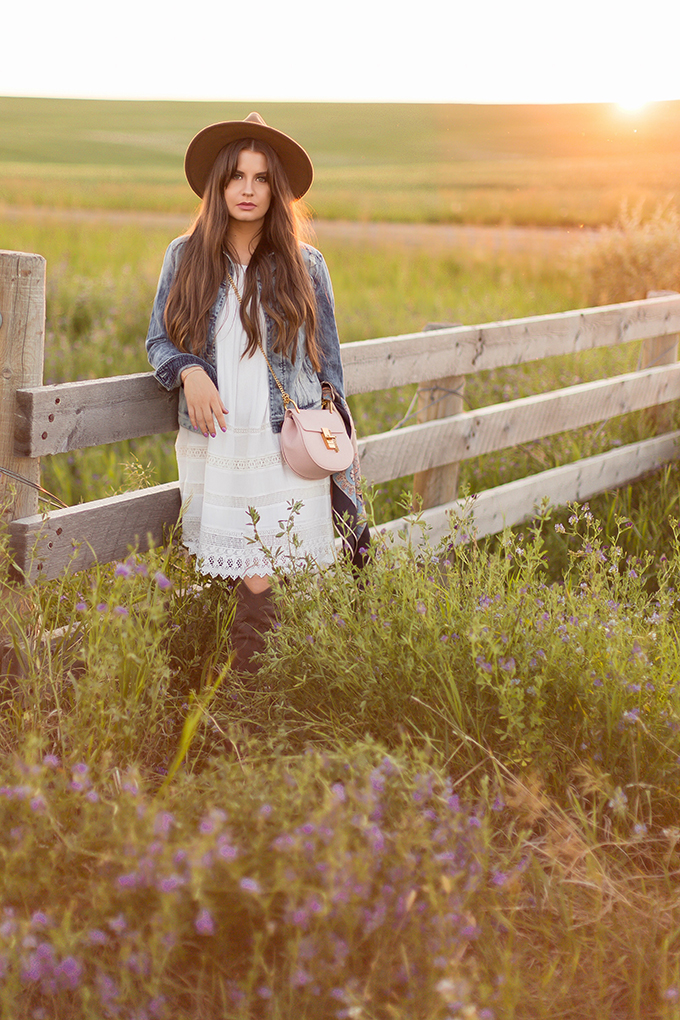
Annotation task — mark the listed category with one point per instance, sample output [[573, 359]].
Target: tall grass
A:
[[451, 793], [641, 253], [101, 278]]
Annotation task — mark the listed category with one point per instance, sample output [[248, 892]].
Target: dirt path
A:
[[488, 238], [496, 238]]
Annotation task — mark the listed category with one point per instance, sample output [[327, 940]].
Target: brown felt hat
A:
[[205, 146]]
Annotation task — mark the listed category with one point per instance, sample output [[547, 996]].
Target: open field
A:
[[555, 165], [102, 269], [452, 792]]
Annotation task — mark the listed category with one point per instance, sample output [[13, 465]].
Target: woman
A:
[[241, 285]]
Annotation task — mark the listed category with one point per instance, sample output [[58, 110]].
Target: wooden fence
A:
[[37, 420]]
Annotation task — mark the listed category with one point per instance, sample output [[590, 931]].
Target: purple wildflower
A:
[[225, 850], [122, 570], [163, 823], [69, 972], [129, 881], [51, 761], [250, 885], [108, 989], [204, 923], [170, 883], [157, 1006], [162, 581]]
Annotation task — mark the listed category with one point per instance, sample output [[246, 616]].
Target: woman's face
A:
[[248, 194]]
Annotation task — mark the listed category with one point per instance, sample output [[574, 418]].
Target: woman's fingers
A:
[[219, 411], [203, 403]]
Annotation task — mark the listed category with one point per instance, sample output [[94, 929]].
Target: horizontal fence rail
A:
[[515, 502], [71, 416]]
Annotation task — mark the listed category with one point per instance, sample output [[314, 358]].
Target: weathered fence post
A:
[[438, 398], [660, 350], [22, 341]]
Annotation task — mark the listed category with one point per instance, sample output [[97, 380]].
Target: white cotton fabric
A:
[[221, 478]]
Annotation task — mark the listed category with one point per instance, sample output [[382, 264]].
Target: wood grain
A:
[[124, 407], [72, 416], [462, 350], [499, 426], [43, 546], [507, 505], [22, 338]]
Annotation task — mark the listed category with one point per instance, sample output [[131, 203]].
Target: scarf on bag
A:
[[349, 514]]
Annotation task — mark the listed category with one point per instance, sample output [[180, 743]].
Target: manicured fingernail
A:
[[223, 427], [212, 434], [205, 434]]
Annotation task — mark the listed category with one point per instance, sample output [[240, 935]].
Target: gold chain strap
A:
[[286, 399]]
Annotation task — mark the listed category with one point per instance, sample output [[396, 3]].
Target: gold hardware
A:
[[329, 440]]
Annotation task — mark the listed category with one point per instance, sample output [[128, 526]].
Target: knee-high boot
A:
[[255, 615]]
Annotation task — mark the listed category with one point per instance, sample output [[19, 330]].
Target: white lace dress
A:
[[221, 478]]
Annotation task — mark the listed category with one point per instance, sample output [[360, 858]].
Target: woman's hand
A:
[[203, 401]]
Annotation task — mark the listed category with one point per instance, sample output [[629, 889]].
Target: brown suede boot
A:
[[255, 615]]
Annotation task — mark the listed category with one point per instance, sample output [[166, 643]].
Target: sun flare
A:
[[632, 105]]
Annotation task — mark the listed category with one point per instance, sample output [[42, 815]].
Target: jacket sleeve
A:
[[327, 330], [166, 360]]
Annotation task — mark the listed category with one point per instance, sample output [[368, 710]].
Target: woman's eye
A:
[[262, 179]]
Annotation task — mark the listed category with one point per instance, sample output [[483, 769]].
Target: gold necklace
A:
[[231, 281]]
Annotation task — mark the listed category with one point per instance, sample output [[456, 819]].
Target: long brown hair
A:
[[286, 291]]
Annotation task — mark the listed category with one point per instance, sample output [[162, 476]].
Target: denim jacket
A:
[[298, 378]]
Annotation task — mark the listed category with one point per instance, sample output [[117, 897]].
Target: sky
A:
[[452, 51]]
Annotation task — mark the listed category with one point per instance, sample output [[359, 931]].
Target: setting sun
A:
[[632, 105]]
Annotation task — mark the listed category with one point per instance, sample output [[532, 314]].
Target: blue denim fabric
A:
[[298, 378]]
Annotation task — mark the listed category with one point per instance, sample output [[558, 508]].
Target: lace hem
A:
[[223, 555]]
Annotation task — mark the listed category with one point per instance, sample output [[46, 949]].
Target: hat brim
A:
[[204, 148]]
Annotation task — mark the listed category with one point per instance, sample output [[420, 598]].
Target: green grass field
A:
[[452, 791], [556, 165]]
